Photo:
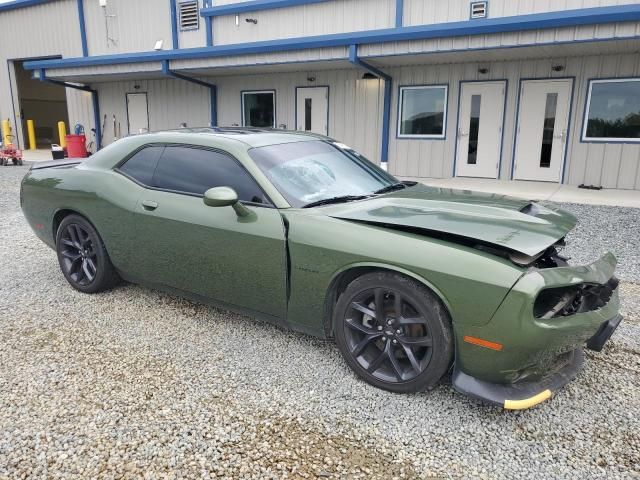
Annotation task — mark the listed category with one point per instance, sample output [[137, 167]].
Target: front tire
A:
[[82, 256], [393, 332]]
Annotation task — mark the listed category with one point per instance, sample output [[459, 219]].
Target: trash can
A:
[[76, 146], [57, 152]]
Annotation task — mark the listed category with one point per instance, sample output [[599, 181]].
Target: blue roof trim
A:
[[253, 6], [21, 4], [564, 18]]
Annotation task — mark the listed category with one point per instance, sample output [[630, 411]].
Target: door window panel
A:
[[194, 170], [422, 112], [614, 110], [258, 109], [307, 114], [142, 164], [474, 128], [547, 130]]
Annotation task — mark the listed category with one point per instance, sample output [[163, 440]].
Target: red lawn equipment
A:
[[10, 154]]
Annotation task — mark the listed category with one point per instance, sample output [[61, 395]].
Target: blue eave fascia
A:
[[564, 18], [15, 4], [253, 6]]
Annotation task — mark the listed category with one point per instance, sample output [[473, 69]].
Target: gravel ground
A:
[[136, 383]]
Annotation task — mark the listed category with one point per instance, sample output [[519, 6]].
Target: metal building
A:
[[511, 89]]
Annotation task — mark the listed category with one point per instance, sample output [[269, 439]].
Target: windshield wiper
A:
[[340, 199], [391, 188]]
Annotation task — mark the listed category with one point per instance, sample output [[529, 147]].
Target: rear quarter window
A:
[[142, 164]]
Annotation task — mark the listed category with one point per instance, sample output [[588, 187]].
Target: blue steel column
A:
[[399, 12], [386, 109], [83, 30], [174, 24]]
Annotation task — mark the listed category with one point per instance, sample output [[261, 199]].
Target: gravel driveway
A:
[[135, 382]]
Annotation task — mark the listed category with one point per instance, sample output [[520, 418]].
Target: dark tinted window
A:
[[142, 164], [195, 170]]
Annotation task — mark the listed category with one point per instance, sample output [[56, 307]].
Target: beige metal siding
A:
[[505, 40], [133, 26], [420, 12], [305, 20], [609, 165], [355, 105], [171, 102], [50, 29]]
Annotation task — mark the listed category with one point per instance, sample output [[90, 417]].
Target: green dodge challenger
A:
[[302, 231]]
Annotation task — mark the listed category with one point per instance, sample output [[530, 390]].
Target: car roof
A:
[[251, 136]]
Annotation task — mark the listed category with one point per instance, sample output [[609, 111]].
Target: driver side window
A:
[[195, 170]]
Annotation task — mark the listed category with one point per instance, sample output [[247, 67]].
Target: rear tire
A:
[[393, 332], [82, 256]]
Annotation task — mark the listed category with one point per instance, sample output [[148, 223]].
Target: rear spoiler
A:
[[67, 162]]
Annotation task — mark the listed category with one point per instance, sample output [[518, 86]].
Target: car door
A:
[[210, 251]]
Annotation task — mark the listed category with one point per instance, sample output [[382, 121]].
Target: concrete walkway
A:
[[539, 191]]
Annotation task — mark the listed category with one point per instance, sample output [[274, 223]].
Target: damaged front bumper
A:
[[539, 354]]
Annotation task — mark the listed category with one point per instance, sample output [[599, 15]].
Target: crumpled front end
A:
[[533, 343]]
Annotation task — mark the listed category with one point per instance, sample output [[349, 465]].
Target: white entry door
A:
[[542, 129], [137, 113], [312, 109], [480, 129]]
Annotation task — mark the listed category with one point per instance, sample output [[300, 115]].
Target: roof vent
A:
[[479, 9], [188, 14]]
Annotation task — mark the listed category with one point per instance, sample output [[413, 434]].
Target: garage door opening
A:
[[42, 102]]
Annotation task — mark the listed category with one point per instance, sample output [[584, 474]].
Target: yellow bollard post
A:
[[62, 132], [6, 132], [31, 131]]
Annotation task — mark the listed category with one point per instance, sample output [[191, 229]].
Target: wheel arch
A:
[[343, 277]]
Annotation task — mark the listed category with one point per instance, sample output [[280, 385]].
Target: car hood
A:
[[518, 225]]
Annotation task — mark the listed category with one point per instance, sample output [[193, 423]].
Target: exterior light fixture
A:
[[558, 68], [483, 70]]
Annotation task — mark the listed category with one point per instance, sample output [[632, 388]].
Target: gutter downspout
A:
[[94, 100], [213, 89], [386, 111], [174, 24]]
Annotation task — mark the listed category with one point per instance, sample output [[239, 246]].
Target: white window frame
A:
[[585, 120], [249, 92], [444, 117]]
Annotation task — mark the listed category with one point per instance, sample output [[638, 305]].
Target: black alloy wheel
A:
[[79, 258], [82, 256], [393, 332]]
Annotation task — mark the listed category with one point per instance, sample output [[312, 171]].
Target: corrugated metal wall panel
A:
[[80, 107], [609, 165], [133, 26], [170, 102], [355, 105], [305, 20], [311, 55], [419, 12], [515, 39]]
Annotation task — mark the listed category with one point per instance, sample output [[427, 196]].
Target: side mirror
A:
[[225, 197], [220, 197]]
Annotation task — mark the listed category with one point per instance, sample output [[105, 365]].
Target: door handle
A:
[[149, 205]]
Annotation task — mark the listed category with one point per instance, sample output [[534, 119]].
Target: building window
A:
[[259, 109], [423, 112], [613, 111], [478, 9], [188, 14]]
